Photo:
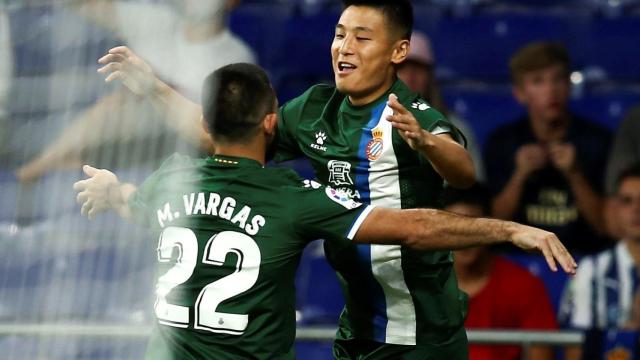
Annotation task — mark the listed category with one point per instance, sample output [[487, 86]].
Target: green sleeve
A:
[[287, 145], [436, 123], [142, 202], [323, 212]]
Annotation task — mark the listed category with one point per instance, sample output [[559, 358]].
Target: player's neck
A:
[[366, 99], [244, 150]]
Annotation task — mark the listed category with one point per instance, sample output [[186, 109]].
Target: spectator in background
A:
[[182, 40], [418, 72], [604, 292], [625, 151], [546, 169], [6, 69], [502, 294]]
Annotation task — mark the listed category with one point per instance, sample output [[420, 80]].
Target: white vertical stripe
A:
[[625, 272], [386, 260], [602, 264]]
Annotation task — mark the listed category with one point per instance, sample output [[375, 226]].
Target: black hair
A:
[[631, 171], [399, 13], [235, 100], [477, 195]]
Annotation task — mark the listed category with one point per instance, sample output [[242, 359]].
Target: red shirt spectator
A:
[[512, 298]]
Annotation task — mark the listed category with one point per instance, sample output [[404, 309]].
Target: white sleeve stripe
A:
[[441, 130], [356, 225]]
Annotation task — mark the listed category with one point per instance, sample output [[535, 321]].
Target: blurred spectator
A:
[[626, 148], [605, 293], [6, 69], [546, 169], [418, 72], [625, 151], [502, 294], [183, 41]]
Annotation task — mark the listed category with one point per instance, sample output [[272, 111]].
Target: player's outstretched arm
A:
[[430, 229], [183, 115], [448, 158], [101, 192]]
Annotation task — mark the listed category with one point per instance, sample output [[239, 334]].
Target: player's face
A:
[[363, 53], [628, 198], [417, 76], [545, 93]]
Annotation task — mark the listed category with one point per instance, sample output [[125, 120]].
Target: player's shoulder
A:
[[317, 94], [419, 106], [178, 161]]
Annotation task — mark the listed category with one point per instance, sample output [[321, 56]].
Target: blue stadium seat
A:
[[484, 107], [611, 45], [318, 294], [480, 46], [606, 106], [314, 350]]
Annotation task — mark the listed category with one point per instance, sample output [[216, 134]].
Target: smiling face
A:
[[364, 52]]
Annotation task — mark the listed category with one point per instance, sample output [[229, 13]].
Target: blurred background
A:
[[58, 270]]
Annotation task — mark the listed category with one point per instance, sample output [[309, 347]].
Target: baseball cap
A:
[[421, 51]]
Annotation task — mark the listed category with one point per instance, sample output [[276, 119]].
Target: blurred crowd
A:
[[548, 168]]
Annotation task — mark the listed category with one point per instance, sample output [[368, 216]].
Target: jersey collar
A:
[[398, 88], [229, 161]]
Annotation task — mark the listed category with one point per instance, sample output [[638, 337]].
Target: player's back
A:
[[231, 237]]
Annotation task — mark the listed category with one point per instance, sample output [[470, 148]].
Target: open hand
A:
[[94, 192], [120, 63], [407, 125], [530, 238]]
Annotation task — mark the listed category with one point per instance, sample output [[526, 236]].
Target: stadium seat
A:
[[609, 45], [479, 46], [606, 106], [318, 294], [484, 107]]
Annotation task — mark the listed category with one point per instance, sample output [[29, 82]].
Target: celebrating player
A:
[[373, 139], [232, 231]]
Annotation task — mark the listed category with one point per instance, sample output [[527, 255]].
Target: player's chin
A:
[[346, 86]]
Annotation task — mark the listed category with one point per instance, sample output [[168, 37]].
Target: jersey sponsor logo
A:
[[339, 172], [375, 146], [420, 106], [321, 137], [342, 198]]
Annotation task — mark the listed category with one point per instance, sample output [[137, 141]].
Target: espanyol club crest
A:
[[375, 145]]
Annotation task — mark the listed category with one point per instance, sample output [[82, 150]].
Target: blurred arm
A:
[[101, 12], [429, 229], [181, 114]]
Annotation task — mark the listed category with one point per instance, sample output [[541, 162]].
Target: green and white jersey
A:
[[393, 294], [231, 237]]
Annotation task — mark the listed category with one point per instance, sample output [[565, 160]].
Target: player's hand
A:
[[530, 238], [530, 157], [563, 157], [94, 192], [407, 125], [120, 63]]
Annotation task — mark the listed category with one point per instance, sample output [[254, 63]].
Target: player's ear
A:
[[270, 123], [400, 51]]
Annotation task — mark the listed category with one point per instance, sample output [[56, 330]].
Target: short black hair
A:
[[399, 13], [631, 171], [477, 195], [235, 99]]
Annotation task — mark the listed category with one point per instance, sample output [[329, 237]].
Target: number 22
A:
[[216, 250]]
